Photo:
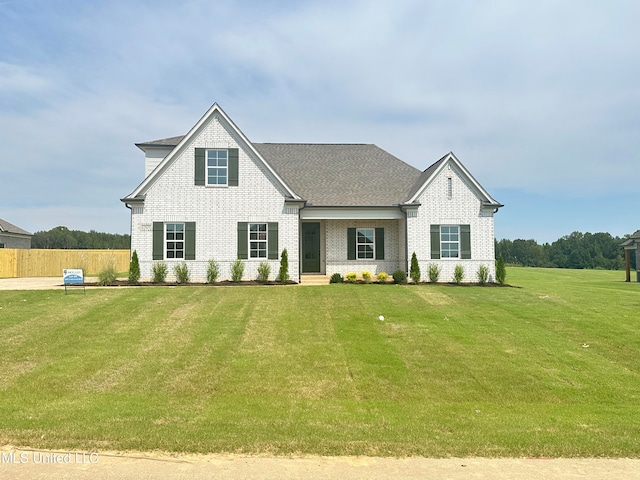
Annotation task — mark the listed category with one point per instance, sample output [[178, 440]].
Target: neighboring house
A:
[[13, 237], [632, 244], [213, 194]]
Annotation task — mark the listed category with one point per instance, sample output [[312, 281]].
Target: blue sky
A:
[[539, 99]]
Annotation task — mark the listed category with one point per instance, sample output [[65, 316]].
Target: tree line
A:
[[577, 250], [62, 237]]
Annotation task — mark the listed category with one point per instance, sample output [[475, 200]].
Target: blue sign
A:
[[73, 275]]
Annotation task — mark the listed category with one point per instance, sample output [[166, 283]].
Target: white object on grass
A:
[[381, 318]]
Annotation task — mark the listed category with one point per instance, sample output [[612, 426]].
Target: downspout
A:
[[406, 242], [299, 246], [130, 228]]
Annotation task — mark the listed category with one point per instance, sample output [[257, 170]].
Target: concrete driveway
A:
[[34, 283]]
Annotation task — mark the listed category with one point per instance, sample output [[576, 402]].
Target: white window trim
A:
[[166, 241], [449, 242], [265, 241], [373, 244], [206, 167]]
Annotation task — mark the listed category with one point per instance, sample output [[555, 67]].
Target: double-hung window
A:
[[449, 241], [174, 240], [217, 167], [365, 243], [258, 240]]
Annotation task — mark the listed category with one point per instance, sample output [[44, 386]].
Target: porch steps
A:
[[306, 279]]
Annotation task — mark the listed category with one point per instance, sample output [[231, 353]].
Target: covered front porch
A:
[[343, 240]]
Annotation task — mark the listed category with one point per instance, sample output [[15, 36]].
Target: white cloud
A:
[[539, 96]]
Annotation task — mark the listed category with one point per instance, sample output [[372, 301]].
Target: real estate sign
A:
[[72, 275]]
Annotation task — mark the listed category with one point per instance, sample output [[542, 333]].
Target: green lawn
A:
[[549, 369]]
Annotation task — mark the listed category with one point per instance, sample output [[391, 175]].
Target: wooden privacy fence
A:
[[17, 263]]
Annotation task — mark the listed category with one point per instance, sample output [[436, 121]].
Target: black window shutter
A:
[[351, 243], [243, 241], [233, 167], [200, 167], [465, 242], [158, 240], [190, 241], [379, 243], [272, 241], [435, 242]]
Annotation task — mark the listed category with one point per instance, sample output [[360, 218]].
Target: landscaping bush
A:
[[107, 276], [336, 278], [414, 271], [434, 273], [134, 269], [351, 277], [181, 271], [483, 274], [264, 269], [382, 277], [366, 276], [501, 271], [399, 276], [284, 266], [213, 271], [237, 270], [458, 274], [159, 272]]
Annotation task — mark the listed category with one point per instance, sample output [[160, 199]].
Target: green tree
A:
[[134, 269], [284, 266], [501, 271], [414, 271]]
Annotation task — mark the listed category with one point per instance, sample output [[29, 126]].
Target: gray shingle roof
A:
[[11, 228], [338, 174], [341, 175], [163, 142]]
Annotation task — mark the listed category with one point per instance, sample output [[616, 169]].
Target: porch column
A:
[[627, 261]]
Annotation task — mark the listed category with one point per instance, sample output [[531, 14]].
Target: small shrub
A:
[[501, 271], [458, 274], [399, 276], [336, 278], [159, 272], [483, 274], [284, 266], [237, 270], [366, 276], [434, 273], [414, 272], [264, 269], [213, 271], [351, 277], [107, 276], [181, 271], [382, 277], [134, 269]]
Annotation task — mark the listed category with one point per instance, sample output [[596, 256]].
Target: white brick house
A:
[[213, 194]]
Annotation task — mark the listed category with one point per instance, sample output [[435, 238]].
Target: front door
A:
[[310, 248]]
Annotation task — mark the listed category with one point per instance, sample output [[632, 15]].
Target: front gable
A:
[[442, 176], [215, 130]]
